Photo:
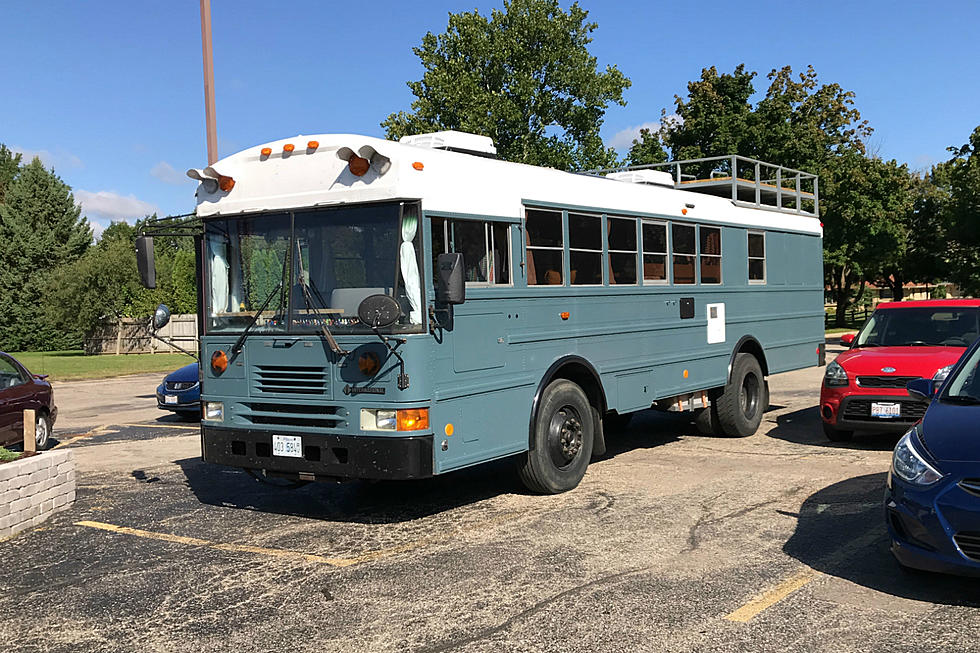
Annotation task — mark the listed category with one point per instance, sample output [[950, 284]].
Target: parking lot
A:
[[673, 542]]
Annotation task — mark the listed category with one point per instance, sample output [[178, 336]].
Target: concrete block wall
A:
[[32, 489]]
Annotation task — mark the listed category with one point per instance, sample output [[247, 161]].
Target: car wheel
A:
[[42, 432], [835, 434], [741, 405], [563, 434]]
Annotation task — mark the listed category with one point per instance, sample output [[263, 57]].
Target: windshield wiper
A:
[[237, 347], [311, 306]]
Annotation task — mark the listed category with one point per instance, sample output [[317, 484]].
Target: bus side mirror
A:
[[847, 339], [161, 317], [144, 261], [451, 288]]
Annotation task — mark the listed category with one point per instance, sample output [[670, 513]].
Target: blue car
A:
[[932, 504], [180, 392]]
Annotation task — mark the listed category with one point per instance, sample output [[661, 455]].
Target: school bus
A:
[[395, 310]]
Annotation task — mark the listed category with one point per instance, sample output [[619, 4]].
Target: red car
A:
[[864, 388], [20, 390]]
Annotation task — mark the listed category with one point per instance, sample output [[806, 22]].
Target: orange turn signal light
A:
[[266, 151], [288, 147], [312, 145], [564, 315], [413, 419], [358, 165], [219, 362], [418, 165], [225, 183]]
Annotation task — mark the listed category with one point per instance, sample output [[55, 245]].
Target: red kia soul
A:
[[864, 388]]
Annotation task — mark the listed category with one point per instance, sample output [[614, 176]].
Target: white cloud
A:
[[624, 139], [166, 173], [106, 206], [58, 160]]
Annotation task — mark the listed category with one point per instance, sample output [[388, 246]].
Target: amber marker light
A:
[[368, 363], [266, 151], [219, 362], [450, 429], [418, 165], [358, 165], [312, 145], [685, 374], [413, 419], [225, 183], [565, 315], [683, 211], [288, 147]]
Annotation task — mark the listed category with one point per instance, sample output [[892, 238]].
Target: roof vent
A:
[[454, 141], [652, 177]]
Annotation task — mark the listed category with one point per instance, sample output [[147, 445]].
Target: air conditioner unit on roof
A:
[[655, 177], [453, 141]]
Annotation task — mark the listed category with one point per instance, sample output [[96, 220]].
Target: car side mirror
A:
[[161, 317], [144, 261], [921, 387], [451, 284], [847, 339]]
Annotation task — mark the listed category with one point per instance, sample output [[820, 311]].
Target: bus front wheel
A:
[[745, 398], [563, 436]]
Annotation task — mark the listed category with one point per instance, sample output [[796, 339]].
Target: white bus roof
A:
[[445, 181]]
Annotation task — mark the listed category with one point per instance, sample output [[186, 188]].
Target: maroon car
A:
[[20, 390]]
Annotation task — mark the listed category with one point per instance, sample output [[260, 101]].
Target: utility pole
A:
[[212, 132]]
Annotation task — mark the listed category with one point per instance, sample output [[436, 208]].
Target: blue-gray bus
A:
[[380, 310]]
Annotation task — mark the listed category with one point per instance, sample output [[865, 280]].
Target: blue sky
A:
[[111, 94]]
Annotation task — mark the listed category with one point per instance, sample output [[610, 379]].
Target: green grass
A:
[[6, 455], [74, 364]]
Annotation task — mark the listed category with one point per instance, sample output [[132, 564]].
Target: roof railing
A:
[[746, 181]]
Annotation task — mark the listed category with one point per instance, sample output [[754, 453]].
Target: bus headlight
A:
[[388, 419], [214, 411]]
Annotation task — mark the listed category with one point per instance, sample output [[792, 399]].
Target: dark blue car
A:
[[181, 392], [932, 504]]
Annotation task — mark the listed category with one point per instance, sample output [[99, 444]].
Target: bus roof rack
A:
[[747, 182]]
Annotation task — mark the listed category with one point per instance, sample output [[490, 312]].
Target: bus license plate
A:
[[287, 445], [880, 409]]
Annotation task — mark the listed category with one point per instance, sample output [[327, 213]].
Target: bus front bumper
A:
[[324, 456]]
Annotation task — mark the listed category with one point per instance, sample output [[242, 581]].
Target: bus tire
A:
[[745, 398], [563, 437], [706, 420]]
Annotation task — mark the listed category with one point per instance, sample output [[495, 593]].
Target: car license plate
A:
[[881, 409], [287, 445], [170, 399]]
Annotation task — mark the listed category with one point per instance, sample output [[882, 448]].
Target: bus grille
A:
[[276, 414], [884, 381], [290, 380], [969, 544]]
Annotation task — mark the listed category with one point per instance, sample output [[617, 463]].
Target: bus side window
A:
[[545, 247], [485, 247], [684, 248], [584, 249], [622, 250], [654, 252], [757, 257], [710, 254]]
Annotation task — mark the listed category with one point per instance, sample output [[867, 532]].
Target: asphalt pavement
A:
[[673, 542]]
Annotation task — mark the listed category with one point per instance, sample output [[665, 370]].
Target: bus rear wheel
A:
[[745, 398], [563, 436]]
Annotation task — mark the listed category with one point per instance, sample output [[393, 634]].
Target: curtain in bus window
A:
[[410, 266], [584, 249], [684, 249], [219, 275], [545, 247], [499, 253]]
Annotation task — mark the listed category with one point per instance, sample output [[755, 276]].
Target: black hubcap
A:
[[748, 395], [564, 436]]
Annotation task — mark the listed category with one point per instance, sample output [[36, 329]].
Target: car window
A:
[[10, 375], [966, 383], [949, 327]]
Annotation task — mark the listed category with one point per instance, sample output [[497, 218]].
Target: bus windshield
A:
[[940, 326], [315, 265]]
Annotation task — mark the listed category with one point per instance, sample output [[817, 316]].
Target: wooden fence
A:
[[131, 336]]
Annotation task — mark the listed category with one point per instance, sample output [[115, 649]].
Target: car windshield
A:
[[312, 266], [939, 326], [966, 383]]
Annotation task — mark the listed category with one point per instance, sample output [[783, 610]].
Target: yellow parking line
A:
[[165, 426], [96, 431], [194, 541], [772, 596]]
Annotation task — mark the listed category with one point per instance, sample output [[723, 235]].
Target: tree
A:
[[646, 149], [9, 167], [41, 228], [523, 77]]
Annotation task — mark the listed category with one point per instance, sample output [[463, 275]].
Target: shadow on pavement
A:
[[365, 502], [841, 532], [803, 427]]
